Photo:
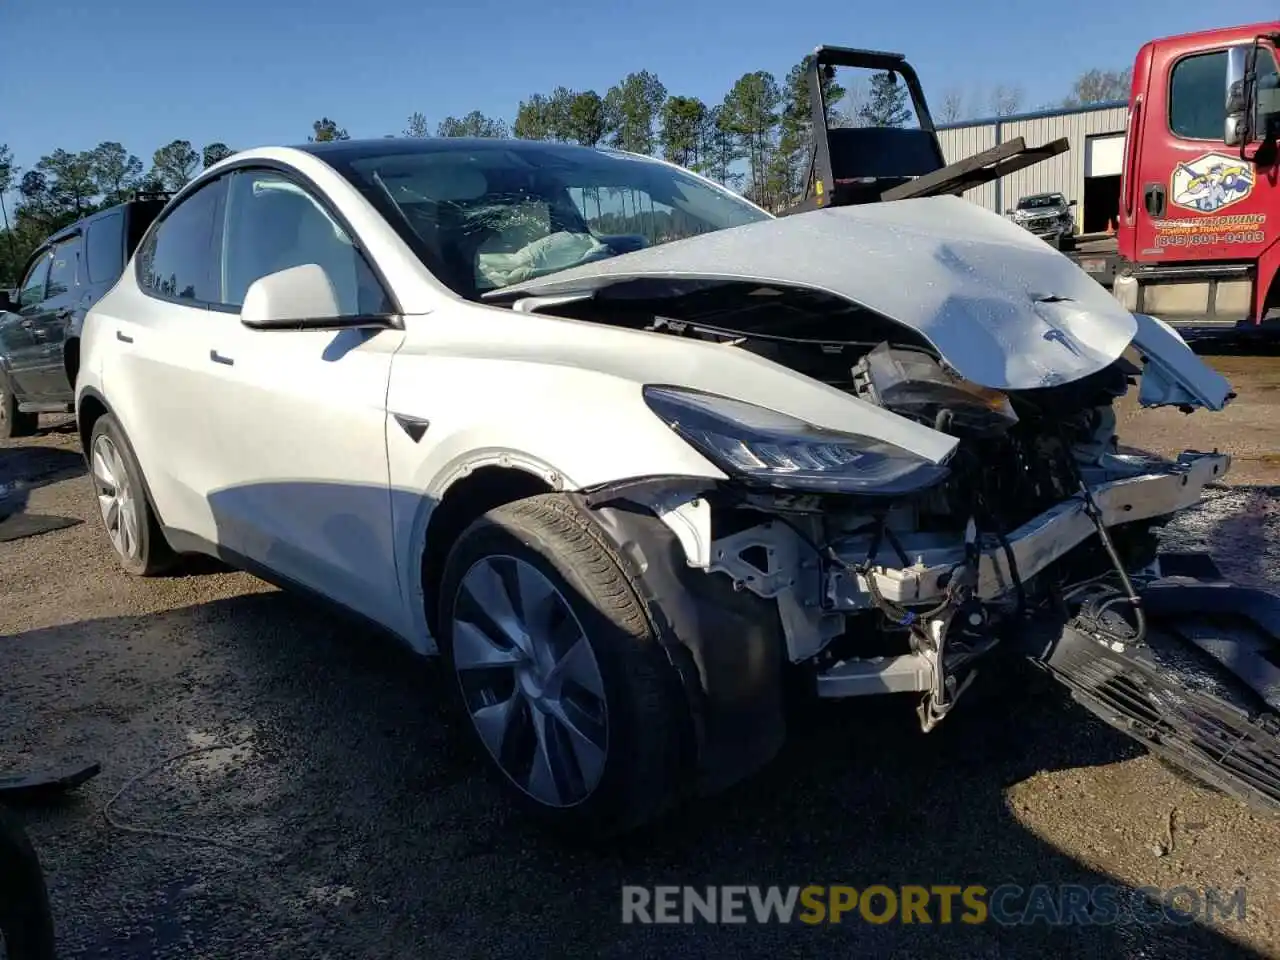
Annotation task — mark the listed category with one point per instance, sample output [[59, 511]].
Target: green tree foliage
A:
[[632, 109], [174, 164], [533, 118], [720, 149], [683, 122], [215, 152], [115, 171], [325, 129], [586, 120], [69, 180], [751, 113], [888, 103], [474, 124], [417, 126]]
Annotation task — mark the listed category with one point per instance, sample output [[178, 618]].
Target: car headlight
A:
[[762, 446]]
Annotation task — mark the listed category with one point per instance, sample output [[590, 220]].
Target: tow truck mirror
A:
[[1235, 126]]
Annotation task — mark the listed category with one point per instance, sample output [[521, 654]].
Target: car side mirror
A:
[[300, 298], [1235, 124], [1071, 203], [1009, 212], [8, 300]]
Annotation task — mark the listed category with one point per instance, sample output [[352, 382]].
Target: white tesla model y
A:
[[619, 444]]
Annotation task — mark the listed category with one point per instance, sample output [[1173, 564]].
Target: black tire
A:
[[13, 422], [648, 721], [25, 917], [152, 555]]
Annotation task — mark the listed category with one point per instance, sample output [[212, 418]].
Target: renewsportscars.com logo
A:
[[1008, 905]]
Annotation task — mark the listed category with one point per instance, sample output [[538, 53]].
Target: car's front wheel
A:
[[127, 517], [565, 683]]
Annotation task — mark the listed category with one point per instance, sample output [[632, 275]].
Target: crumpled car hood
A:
[[1002, 308]]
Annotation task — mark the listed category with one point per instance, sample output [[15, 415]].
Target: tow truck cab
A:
[[1199, 228]]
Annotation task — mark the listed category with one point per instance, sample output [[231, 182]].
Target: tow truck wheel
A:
[[13, 422], [561, 675]]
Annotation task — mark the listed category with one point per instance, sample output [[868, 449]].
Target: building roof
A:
[[1036, 115]]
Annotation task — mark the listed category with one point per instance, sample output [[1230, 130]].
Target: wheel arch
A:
[[463, 501], [92, 406]]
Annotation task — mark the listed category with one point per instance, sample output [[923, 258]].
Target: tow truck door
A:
[[1195, 198]]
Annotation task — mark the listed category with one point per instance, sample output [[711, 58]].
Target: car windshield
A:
[[487, 215], [1037, 203]]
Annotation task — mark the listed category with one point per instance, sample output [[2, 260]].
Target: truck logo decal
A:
[[1211, 182]]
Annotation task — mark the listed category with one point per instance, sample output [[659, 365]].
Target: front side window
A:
[[273, 224], [34, 283], [1198, 96], [485, 217], [62, 268], [177, 259]]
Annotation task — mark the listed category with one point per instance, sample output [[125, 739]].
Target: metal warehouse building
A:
[[1088, 173]]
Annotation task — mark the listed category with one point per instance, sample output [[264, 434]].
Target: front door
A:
[[1195, 198], [46, 376], [300, 422], [18, 345]]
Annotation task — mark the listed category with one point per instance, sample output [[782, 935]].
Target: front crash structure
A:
[[867, 603]]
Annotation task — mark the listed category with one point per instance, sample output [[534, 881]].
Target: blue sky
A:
[[251, 72]]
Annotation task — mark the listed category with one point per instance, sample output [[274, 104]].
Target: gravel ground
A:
[[357, 824]]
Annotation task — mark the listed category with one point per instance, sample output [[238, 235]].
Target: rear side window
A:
[[62, 271], [1198, 96], [104, 248], [178, 258]]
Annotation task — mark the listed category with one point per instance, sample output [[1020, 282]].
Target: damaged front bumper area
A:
[[1197, 682], [819, 592]]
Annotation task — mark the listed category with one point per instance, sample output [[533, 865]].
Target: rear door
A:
[[1196, 199], [157, 372]]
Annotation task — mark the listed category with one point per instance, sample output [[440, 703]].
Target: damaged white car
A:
[[630, 452]]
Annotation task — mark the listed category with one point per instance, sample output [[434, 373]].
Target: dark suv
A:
[[41, 320]]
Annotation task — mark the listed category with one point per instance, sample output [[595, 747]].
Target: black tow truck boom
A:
[[850, 165]]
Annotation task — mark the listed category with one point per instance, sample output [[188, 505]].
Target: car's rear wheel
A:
[[13, 422], [127, 517], [561, 675]]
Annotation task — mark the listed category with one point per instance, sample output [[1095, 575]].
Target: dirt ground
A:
[[356, 825]]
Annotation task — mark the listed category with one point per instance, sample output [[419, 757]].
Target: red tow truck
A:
[[1197, 238], [1198, 234]]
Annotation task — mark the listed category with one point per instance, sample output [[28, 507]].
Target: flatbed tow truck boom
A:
[[851, 165], [1196, 676]]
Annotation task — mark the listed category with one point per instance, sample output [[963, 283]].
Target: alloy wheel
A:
[[530, 680], [117, 501]]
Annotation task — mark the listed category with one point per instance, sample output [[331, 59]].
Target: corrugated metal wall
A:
[[1064, 172]]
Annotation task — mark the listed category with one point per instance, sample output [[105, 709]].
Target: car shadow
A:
[[31, 466], [355, 781]]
